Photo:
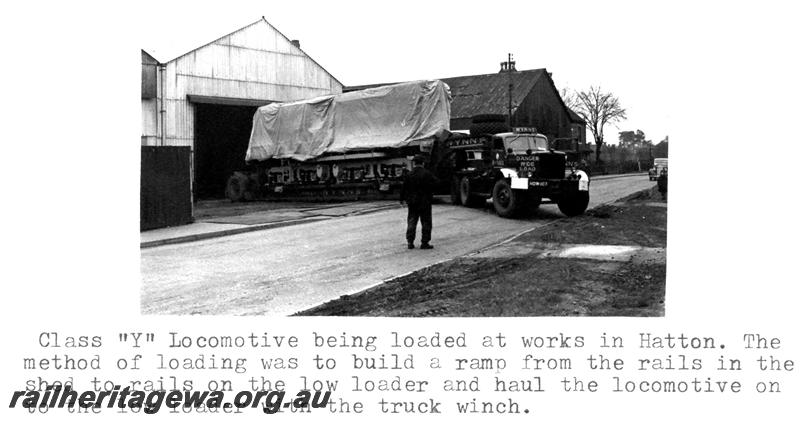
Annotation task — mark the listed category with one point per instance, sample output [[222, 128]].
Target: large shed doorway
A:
[[221, 135]]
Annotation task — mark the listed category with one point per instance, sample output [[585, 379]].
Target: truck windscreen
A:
[[522, 143]]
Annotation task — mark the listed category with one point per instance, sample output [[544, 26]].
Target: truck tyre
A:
[[236, 190], [505, 200], [574, 204], [480, 128], [465, 194], [455, 195]]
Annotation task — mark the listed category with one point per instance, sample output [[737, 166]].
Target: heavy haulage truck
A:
[[518, 170], [358, 145]]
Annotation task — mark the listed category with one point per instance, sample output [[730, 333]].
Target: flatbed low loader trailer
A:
[[355, 145]]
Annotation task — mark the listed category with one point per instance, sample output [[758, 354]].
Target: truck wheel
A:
[[235, 188], [505, 200], [574, 204], [465, 194], [455, 195]]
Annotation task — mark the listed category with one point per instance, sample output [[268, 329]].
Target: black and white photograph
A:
[[531, 187], [426, 211]]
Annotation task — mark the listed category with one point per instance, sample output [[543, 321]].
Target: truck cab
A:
[[517, 170], [659, 166]]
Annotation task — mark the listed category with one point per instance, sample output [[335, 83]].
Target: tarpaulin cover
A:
[[390, 116]]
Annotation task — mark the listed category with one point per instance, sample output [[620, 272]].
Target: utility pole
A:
[[509, 68]]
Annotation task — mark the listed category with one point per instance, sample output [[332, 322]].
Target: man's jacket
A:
[[418, 187]]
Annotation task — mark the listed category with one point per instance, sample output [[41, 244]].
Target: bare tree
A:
[[570, 98], [598, 108]]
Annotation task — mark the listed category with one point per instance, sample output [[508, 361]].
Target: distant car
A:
[[658, 165]]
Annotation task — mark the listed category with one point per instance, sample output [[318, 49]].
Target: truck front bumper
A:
[[549, 188]]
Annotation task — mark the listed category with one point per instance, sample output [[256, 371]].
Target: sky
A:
[[627, 49]]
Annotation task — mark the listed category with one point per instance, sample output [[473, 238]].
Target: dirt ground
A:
[[531, 285], [640, 219]]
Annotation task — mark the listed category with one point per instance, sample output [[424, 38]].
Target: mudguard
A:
[[583, 181]]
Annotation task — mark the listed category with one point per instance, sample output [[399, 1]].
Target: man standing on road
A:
[[418, 187]]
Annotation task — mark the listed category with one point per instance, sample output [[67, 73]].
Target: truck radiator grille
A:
[[551, 166]]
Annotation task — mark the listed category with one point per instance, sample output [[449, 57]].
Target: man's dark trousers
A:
[[418, 187], [419, 212]]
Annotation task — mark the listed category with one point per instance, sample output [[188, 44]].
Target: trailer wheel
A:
[[455, 195], [505, 200], [236, 189], [574, 204], [465, 194]]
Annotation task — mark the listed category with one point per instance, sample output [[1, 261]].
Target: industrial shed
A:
[[205, 98], [535, 101]]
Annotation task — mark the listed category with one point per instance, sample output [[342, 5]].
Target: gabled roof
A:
[[488, 93], [189, 39], [482, 94], [575, 118], [168, 52]]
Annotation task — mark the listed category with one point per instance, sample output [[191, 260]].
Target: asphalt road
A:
[[284, 270]]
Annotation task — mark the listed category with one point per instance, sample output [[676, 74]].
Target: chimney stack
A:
[[296, 43], [508, 66]]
